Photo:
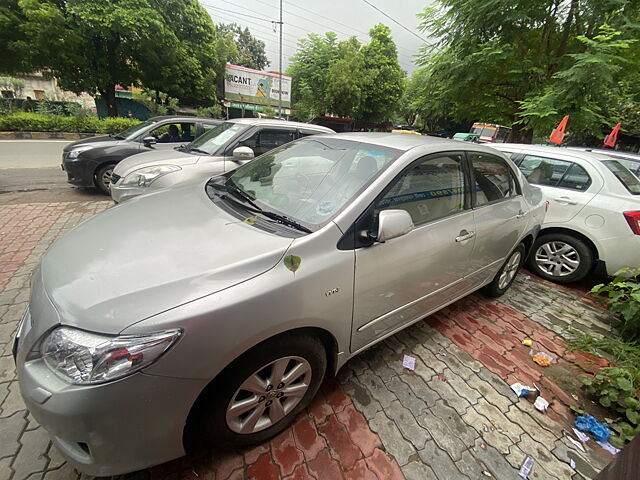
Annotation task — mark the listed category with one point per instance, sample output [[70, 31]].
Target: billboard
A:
[[246, 85]]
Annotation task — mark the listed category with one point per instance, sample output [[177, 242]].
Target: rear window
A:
[[628, 179]]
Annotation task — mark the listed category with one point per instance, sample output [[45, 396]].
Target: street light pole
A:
[[280, 68]]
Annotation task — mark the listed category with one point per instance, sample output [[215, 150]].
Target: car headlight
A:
[[88, 358], [76, 151], [143, 177]]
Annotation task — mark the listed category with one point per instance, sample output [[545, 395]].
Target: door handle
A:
[[566, 200], [521, 214], [464, 235]]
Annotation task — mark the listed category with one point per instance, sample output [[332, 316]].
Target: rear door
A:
[[566, 183], [500, 212], [401, 280]]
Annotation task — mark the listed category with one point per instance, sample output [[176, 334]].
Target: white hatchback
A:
[[593, 221]]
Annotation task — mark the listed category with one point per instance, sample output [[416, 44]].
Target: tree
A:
[[346, 83], [383, 76], [345, 78], [171, 45], [529, 63], [13, 48], [250, 51], [308, 68]]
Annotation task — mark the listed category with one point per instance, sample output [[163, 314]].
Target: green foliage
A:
[[214, 111], [346, 78], [530, 63], [167, 45], [622, 295], [249, 50], [616, 389], [38, 122]]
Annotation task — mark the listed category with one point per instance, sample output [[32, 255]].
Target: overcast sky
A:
[[344, 17]]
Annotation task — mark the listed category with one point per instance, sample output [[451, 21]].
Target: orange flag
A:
[[611, 139], [558, 134]]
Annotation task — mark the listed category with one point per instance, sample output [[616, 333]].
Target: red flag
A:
[[558, 134], [611, 139]]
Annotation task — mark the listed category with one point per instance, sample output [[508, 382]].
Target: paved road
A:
[[31, 153], [30, 173]]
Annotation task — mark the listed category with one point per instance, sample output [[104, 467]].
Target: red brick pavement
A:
[[492, 333], [21, 228], [330, 440]]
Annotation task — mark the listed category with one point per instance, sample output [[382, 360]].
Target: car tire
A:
[[546, 258], [507, 273], [103, 178], [226, 396]]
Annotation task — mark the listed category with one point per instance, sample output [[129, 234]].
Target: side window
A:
[[494, 180], [576, 178], [542, 170], [174, 132], [432, 189], [264, 140]]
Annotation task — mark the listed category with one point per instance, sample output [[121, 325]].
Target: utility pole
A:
[[280, 68]]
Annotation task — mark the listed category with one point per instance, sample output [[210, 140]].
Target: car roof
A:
[[610, 153], [404, 142], [184, 118], [550, 150], [274, 122]]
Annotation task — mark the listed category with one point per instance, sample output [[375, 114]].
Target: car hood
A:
[[101, 141], [159, 157], [150, 255]]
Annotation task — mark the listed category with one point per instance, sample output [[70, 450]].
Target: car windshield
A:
[[215, 138], [632, 165], [311, 180], [133, 130], [628, 179]]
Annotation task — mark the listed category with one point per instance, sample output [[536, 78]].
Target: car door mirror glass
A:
[[149, 140], [393, 224], [243, 153]]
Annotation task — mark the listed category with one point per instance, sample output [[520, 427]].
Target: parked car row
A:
[[213, 309]]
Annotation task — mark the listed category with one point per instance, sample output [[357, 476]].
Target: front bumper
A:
[[113, 428], [109, 429], [78, 173], [119, 194]]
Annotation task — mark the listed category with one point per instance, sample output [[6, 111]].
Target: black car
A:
[[90, 162]]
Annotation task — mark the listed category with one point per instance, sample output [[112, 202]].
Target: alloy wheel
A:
[[106, 178], [510, 270], [557, 259], [268, 395]]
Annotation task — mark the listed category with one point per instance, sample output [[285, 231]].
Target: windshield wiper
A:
[[254, 208], [197, 150]]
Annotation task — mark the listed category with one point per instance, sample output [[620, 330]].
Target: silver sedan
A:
[[215, 310]]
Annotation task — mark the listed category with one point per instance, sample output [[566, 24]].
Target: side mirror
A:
[[148, 141], [243, 153], [392, 224]]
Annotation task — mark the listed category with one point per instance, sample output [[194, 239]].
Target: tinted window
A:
[[432, 189], [494, 179], [576, 178], [264, 140], [174, 132], [542, 170]]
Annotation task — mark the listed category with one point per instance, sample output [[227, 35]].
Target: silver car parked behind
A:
[[223, 148], [218, 308]]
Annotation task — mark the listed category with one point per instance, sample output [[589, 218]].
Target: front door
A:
[[403, 279], [260, 141]]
